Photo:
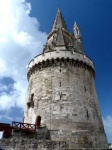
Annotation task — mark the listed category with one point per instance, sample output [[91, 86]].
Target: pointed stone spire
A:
[[59, 21], [59, 37]]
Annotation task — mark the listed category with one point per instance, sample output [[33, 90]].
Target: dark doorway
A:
[[38, 121]]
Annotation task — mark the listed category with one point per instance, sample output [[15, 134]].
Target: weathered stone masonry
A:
[[62, 94], [62, 81], [32, 144]]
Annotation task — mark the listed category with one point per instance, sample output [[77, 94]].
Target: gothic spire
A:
[[59, 35], [59, 21], [60, 38]]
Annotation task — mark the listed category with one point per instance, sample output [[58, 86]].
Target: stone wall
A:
[[66, 99], [61, 90], [32, 144]]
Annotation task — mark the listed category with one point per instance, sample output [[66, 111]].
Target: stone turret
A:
[[77, 38], [62, 92], [77, 33]]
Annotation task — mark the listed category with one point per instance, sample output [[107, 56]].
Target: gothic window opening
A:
[[77, 31]]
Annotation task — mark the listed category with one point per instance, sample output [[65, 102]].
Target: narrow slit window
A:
[[87, 113], [60, 96], [60, 84], [85, 88]]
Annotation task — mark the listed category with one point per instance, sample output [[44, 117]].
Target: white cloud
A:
[[20, 41], [108, 127]]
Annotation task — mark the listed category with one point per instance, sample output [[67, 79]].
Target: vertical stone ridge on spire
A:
[[59, 21]]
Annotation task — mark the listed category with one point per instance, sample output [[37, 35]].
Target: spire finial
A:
[[59, 9], [75, 24]]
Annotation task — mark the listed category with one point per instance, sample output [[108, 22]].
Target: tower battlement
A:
[[52, 59]]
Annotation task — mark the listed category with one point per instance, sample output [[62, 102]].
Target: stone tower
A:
[[62, 92]]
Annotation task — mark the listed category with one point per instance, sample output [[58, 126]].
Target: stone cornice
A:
[[53, 59]]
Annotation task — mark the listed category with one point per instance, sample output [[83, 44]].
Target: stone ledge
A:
[[61, 54], [84, 62]]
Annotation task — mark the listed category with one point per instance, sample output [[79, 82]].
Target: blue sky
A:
[[23, 39]]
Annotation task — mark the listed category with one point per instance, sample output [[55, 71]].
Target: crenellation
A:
[[56, 63]]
